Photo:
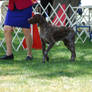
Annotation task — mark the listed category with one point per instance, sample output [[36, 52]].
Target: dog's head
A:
[[35, 19]]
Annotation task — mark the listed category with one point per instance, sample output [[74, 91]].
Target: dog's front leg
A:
[[43, 49], [48, 48]]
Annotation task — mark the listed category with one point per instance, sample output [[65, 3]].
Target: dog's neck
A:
[[43, 22]]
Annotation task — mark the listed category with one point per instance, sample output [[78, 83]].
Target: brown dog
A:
[[51, 34]]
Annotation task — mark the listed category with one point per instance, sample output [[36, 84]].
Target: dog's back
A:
[[55, 33], [63, 33]]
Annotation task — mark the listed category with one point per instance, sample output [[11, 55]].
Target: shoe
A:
[[5, 57], [29, 58]]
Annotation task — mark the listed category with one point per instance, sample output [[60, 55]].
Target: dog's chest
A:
[[45, 36]]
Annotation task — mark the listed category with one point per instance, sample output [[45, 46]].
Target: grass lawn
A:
[[59, 75]]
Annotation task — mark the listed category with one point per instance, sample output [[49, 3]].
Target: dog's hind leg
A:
[[71, 46], [43, 51]]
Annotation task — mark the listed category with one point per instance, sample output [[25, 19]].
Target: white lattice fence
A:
[[75, 19], [84, 23]]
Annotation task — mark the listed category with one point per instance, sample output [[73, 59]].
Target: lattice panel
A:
[[57, 17]]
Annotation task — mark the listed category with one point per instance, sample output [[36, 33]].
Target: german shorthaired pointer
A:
[[50, 34]]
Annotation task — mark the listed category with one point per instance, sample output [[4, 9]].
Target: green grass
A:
[[59, 75]]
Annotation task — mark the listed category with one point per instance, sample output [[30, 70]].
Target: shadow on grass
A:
[[58, 66], [55, 68]]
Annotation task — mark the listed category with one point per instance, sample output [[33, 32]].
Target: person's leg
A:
[[28, 37], [8, 39]]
